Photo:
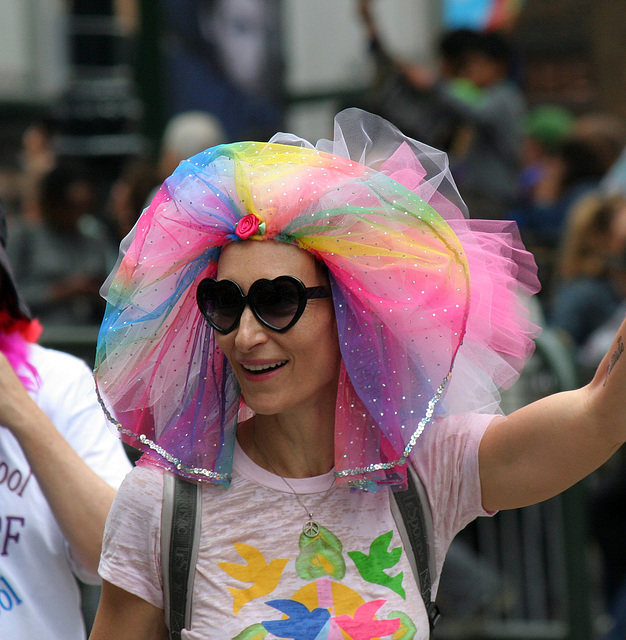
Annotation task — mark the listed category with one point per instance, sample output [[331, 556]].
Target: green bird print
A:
[[373, 567]]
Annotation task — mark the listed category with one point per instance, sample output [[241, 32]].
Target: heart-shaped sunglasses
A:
[[277, 304]]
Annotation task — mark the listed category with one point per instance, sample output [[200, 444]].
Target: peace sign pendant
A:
[[311, 529]]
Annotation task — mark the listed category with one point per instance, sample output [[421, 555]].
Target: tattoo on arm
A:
[[616, 355]]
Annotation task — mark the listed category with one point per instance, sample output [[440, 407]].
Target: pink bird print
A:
[[363, 626]]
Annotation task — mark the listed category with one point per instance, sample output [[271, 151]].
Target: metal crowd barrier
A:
[[536, 574]]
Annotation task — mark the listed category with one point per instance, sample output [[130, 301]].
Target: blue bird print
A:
[[302, 624]]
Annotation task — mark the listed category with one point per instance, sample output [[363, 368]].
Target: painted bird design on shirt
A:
[[372, 567], [264, 576], [301, 624], [364, 626]]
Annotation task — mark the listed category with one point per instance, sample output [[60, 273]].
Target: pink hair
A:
[[16, 335]]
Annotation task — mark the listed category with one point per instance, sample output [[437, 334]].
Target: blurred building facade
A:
[[573, 53]]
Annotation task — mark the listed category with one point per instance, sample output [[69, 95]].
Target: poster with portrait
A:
[[225, 57]]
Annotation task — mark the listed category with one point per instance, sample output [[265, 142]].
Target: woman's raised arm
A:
[[542, 449]]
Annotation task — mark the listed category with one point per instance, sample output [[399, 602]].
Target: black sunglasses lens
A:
[[277, 301], [221, 303]]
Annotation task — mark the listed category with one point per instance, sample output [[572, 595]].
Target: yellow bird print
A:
[[264, 576]]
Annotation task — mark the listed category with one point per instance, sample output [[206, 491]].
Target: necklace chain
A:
[[311, 527]]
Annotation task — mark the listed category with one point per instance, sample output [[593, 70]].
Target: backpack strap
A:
[[411, 511], [180, 539]]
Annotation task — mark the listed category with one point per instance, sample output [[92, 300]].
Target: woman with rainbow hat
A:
[[295, 328]]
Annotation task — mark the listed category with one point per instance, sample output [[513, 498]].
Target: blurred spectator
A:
[[58, 264], [588, 291], [456, 50], [393, 97], [185, 135], [128, 194], [469, 107], [589, 304], [571, 172], [589, 354], [546, 128], [608, 498], [487, 169], [605, 133], [37, 158]]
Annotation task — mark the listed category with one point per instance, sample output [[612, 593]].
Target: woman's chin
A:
[[263, 406]]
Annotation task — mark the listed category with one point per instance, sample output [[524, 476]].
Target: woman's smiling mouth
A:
[[263, 368]]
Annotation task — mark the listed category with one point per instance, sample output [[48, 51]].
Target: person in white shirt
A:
[[60, 467]]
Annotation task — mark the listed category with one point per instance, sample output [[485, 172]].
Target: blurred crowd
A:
[[66, 219]]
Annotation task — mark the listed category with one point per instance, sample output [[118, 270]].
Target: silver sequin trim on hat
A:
[[198, 472], [379, 466]]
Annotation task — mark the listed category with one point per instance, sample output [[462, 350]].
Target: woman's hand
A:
[[16, 406]]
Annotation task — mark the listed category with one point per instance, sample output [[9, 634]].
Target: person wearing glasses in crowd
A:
[[291, 326], [59, 470]]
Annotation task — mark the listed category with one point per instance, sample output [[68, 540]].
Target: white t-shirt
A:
[[257, 576], [39, 597]]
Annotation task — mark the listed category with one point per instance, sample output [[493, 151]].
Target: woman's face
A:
[[281, 372]]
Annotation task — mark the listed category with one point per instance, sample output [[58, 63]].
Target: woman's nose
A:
[[250, 332]]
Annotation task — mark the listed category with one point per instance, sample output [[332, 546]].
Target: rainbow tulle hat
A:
[[428, 303]]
